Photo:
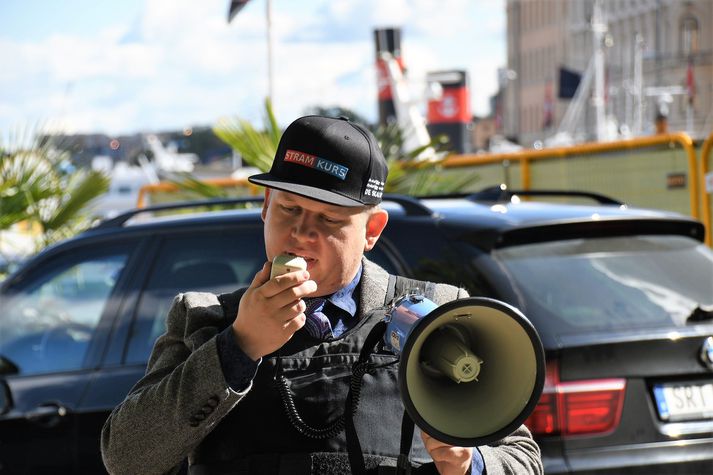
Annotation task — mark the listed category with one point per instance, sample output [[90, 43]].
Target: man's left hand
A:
[[449, 460]]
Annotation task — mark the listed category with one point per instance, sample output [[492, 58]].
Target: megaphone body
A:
[[471, 370]]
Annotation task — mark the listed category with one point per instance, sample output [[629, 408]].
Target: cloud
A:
[[179, 62], [435, 36], [324, 74]]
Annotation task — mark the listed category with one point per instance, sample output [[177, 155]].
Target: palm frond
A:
[[252, 145], [273, 129], [36, 188], [194, 185], [257, 148], [82, 189]]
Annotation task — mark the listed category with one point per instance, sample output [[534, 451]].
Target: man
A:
[[255, 381]]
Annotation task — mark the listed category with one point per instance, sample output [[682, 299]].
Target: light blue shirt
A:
[[344, 299]]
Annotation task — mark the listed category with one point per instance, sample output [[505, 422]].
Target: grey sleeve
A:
[[516, 454], [180, 399]]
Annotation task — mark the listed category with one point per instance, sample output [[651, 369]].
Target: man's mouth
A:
[[310, 260]]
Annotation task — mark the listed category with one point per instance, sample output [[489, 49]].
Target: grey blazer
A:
[[184, 393]]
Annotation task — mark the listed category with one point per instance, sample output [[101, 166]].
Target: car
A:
[[622, 299]]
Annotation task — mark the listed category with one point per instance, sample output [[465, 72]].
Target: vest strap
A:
[[396, 286], [407, 426], [356, 458]]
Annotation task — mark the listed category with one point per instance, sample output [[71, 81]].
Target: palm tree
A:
[[411, 175], [406, 175], [257, 148], [40, 189]]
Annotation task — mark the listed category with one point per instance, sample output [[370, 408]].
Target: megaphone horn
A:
[[471, 370]]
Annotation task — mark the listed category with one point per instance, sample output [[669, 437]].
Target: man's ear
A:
[[265, 204], [375, 224]]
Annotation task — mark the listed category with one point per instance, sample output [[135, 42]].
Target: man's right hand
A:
[[271, 311]]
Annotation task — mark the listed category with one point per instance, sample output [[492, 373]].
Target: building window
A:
[[689, 36]]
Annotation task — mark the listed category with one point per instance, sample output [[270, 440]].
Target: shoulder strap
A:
[[230, 303], [399, 285]]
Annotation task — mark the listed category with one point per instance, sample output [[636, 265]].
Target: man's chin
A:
[[323, 288]]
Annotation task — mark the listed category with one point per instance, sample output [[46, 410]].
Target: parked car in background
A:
[[622, 299]]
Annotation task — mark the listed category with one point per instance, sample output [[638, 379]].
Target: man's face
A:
[[332, 239]]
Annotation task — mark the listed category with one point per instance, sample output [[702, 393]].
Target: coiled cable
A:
[[359, 369]]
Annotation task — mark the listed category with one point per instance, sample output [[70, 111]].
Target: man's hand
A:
[[271, 311], [449, 460]]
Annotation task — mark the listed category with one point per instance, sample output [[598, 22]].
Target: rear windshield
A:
[[612, 283]]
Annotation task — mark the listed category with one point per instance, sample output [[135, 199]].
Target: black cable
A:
[[359, 369]]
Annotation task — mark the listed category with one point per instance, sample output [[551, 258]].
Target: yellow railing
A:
[[167, 187], [525, 157], [706, 207], [699, 201]]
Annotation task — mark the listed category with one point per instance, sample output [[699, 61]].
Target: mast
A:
[[599, 29], [639, 84]]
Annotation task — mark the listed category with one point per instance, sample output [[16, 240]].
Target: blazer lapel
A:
[[374, 281]]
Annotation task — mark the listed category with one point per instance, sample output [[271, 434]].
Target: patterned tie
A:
[[317, 323]]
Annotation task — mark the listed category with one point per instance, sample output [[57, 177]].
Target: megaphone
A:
[[471, 370]]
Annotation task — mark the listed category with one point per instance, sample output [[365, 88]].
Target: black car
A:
[[622, 299]]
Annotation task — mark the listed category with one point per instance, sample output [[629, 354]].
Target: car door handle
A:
[[47, 415]]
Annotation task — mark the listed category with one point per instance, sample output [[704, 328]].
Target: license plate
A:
[[684, 401]]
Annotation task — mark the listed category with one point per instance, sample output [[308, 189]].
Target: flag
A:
[[235, 7], [568, 83], [499, 115], [690, 82], [549, 107]]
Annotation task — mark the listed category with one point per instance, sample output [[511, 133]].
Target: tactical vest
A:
[[292, 420]]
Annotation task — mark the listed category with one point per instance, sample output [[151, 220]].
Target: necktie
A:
[[317, 323]]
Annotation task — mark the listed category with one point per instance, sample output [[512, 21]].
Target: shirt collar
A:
[[344, 297]]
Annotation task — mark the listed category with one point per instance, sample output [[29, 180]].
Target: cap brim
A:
[[313, 193]]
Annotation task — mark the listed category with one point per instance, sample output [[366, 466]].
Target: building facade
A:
[[635, 60]]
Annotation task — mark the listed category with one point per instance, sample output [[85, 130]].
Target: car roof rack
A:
[[411, 205], [122, 218], [502, 193]]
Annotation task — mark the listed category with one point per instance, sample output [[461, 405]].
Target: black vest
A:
[[260, 436]]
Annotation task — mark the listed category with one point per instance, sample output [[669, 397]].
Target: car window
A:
[[49, 321], [381, 257], [200, 262], [612, 283]]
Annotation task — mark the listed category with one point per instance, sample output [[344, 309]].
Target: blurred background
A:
[[160, 65], [103, 98]]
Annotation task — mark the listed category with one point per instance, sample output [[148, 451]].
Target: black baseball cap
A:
[[326, 159]]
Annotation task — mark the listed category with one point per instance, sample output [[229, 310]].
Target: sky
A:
[[122, 67]]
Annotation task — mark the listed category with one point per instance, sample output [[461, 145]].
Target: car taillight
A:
[[577, 407]]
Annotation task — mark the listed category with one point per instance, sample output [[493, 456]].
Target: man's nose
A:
[[305, 228]]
